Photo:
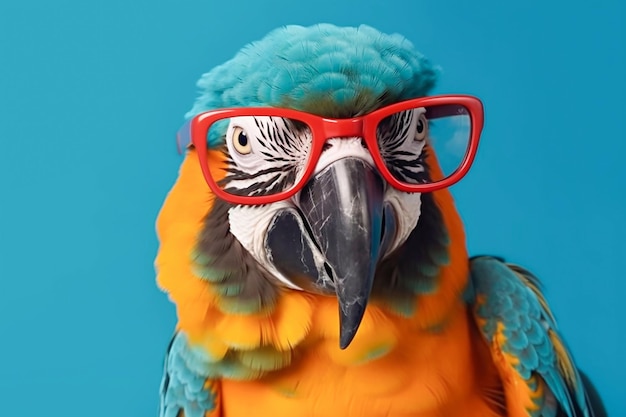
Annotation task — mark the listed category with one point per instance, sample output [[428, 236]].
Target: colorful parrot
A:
[[317, 261]]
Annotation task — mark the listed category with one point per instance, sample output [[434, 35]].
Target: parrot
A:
[[350, 295]]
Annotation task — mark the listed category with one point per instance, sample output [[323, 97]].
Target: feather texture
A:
[[324, 69], [184, 391], [245, 345], [515, 320]]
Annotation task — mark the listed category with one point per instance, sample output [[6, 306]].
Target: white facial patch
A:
[[249, 224], [266, 151], [408, 208]]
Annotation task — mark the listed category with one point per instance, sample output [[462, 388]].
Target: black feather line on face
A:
[[405, 170], [238, 278], [286, 147], [392, 133], [274, 185], [393, 130]]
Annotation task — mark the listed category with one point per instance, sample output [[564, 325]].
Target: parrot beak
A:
[[343, 206]]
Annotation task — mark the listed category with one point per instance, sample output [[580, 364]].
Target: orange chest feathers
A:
[[390, 369]]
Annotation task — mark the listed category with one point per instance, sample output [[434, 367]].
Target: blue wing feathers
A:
[[183, 387], [509, 298]]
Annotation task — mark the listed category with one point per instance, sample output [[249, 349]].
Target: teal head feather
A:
[[323, 69]]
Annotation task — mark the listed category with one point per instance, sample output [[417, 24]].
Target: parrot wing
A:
[[184, 391], [538, 374]]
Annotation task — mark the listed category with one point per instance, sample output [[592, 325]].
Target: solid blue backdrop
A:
[[92, 93]]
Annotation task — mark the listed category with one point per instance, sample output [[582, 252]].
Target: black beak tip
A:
[[349, 322], [346, 338]]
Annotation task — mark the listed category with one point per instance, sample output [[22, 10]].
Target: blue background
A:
[[92, 92]]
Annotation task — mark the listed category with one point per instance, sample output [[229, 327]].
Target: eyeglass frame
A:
[[324, 128]]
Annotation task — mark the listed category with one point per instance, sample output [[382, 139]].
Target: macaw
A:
[[349, 297]]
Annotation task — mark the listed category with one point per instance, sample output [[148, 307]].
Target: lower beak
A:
[[343, 205]]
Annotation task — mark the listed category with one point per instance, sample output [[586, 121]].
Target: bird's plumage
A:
[[441, 334], [515, 320], [323, 69]]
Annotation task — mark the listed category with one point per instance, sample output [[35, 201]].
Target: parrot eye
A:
[[264, 155], [421, 129], [240, 141]]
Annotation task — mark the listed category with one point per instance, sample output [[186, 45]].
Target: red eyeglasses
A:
[[272, 152]]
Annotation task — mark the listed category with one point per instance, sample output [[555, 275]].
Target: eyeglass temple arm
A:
[[183, 137]]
